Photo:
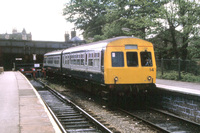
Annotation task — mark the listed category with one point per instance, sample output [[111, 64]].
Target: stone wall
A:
[[184, 105]]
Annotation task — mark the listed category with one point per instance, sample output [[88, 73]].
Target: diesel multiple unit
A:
[[120, 63]]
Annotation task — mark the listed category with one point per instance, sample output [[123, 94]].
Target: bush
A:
[[188, 77], [173, 75]]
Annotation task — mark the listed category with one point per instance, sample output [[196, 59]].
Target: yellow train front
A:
[[129, 65]]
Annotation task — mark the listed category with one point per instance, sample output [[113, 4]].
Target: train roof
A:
[[56, 52], [94, 45], [99, 45]]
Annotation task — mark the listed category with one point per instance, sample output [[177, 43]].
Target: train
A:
[[119, 64]]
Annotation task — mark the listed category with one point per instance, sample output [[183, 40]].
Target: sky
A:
[[43, 18]]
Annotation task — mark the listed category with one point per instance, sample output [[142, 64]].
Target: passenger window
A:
[[90, 62], [117, 59], [67, 59], [90, 59], [56, 60], [82, 61], [146, 58], [132, 59], [78, 61], [50, 61], [96, 62], [96, 59]]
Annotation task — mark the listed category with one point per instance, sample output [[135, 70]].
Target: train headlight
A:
[[116, 79], [149, 78]]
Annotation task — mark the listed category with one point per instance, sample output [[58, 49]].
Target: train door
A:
[[86, 60], [62, 59], [102, 60]]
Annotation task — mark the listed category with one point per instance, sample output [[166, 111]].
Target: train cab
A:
[[129, 61]]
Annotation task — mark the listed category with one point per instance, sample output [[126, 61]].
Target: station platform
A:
[[21, 108], [179, 86]]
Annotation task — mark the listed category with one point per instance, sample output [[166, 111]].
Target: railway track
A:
[[165, 122], [69, 116]]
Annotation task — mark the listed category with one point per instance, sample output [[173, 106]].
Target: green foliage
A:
[[135, 15], [111, 30], [98, 38], [188, 77], [173, 75], [108, 17], [88, 15], [194, 48], [181, 19]]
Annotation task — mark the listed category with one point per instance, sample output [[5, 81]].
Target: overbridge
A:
[[24, 51]]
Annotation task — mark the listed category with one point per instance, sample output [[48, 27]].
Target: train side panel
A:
[[84, 65]]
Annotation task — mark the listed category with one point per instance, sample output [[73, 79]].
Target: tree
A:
[[87, 15], [107, 18], [194, 48], [189, 19], [136, 15], [182, 16]]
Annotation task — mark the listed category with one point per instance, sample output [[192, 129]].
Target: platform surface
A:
[[179, 86], [21, 110]]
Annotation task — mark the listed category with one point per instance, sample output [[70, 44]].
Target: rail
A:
[[163, 121]]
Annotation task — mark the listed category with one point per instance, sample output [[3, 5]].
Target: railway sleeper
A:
[[66, 114], [78, 126], [72, 120], [63, 109], [75, 122], [93, 130], [71, 117], [173, 128]]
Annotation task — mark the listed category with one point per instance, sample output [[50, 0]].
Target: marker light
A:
[[22, 70], [116, 79], [149, 78]]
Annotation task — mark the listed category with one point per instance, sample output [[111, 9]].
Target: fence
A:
[[1, 70], [178, 66]]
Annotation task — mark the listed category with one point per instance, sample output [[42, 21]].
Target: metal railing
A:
[[1, 69]]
